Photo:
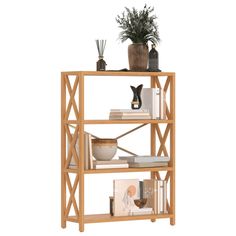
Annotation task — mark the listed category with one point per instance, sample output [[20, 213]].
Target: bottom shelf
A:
[[97, 218]]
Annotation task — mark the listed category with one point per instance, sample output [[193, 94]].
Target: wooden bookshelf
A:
[[72, 101]]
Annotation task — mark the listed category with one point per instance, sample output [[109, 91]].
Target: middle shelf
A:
[[150, 121], [120, 170]]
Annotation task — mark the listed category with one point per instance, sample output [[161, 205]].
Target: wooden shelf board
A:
[[119, 121], [120, 170], [98, 218], [118, 73]]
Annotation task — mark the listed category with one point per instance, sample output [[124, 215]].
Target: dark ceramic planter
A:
[[138, 56]]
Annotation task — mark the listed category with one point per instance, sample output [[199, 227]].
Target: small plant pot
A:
[[104, 149], [138, 56]]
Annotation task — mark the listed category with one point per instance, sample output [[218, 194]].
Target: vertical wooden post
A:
[[153, 137], [63, 151], [81, 152], [172, 150], [153, 129]]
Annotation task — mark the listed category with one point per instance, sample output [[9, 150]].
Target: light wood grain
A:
[[63, 151], [118, 73], [72, 195], [72, 99], [107, 122], [99, 218], [120, 170], [172, 151], [81, 153], [79, 125]]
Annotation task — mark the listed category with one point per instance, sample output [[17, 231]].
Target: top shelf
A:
[[118, 73]]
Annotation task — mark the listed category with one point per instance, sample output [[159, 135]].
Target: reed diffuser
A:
[[101, 64]]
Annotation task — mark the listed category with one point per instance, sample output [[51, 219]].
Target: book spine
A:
[[141, 213], [86, 161], [111, 206], [110, 162], [141, 189], [156, 104], [163, 105], [90, 156], [162, 197], [165, 197]]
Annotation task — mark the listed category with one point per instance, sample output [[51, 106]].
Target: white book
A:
[[154, 99], [165, 197], [111, 166], [86, 152], [90, 156], [145, 159], [151, 101], [163, 105], [141, 211], [162, 196]]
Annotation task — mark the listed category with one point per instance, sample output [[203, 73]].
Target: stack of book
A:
[[146, 161], [129, 114], [110, 164]]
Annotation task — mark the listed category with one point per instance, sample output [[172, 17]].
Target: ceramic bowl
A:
[[104, 149], [140, 202]]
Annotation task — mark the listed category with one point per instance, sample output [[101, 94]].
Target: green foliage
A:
[[138, 26]]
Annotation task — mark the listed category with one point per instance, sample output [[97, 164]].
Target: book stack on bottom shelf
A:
[[133, 197]]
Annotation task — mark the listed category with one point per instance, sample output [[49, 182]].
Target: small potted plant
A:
[[140, 27]]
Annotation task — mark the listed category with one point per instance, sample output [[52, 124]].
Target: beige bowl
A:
[[104, 149]]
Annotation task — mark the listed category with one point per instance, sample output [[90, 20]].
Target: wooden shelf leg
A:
[[81, 227], [63, 152], [172, 221], [81, 154], [63, 224], [63, 201]]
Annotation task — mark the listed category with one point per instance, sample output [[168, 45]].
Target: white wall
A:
[[39, 39]]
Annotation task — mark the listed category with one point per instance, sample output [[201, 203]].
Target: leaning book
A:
[[124, 192]]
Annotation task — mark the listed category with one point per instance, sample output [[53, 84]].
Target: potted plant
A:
[[140, 27]]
